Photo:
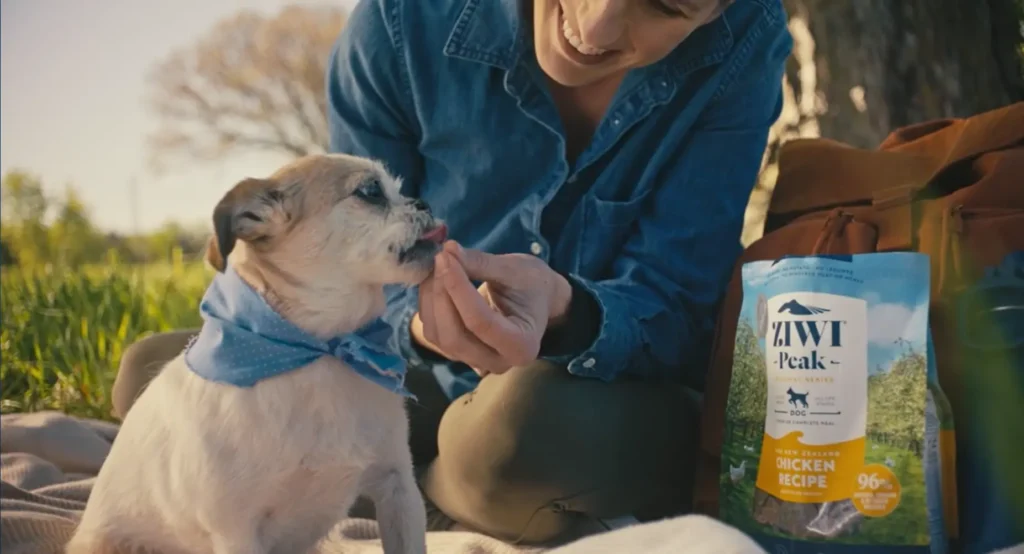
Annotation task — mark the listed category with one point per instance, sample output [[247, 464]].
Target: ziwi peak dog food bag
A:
[[834, 419]]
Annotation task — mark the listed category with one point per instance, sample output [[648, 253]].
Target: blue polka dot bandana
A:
[[244, 341]]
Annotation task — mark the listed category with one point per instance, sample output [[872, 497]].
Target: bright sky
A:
[[72, 102]]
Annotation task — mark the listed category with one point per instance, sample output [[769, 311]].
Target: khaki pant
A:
[[528, 454]]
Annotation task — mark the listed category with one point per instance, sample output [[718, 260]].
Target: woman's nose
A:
[[602, 22]]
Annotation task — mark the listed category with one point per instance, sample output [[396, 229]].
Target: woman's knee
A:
[[141, 362], [486, 476], [504, 428], [528, 449], [536, 418]]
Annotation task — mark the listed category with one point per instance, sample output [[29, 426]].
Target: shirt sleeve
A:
[[370, 113], [581, 327], [658, 308]]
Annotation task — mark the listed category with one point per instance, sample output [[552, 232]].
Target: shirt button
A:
[[616, 122], [536, 248], [589, 363]]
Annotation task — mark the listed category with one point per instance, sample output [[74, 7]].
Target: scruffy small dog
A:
[[249, 444]]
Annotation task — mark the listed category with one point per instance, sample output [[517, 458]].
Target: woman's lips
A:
[[573, 51]]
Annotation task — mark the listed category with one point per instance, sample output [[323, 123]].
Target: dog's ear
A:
[[213, 256], [254, 210]]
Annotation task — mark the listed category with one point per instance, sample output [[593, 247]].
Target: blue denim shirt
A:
[[449, 95]]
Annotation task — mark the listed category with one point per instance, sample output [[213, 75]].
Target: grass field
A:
[[906, 525], [63, 332]]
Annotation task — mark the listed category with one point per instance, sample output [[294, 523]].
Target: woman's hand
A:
[[498, 325]]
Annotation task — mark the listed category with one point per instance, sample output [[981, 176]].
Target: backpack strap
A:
[[819, 174]]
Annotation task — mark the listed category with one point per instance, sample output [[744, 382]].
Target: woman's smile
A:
[[573, 37], [582, 42], [565, 33]]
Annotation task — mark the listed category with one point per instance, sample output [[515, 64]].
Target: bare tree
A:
[[862, 68], [882, 64], [251, 83]]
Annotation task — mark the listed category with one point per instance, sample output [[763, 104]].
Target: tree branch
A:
[[252, 83]]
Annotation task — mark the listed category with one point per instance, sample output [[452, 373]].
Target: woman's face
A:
[[579, 42]]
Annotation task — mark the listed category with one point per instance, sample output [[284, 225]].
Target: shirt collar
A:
[[488, 32], [493, 32]]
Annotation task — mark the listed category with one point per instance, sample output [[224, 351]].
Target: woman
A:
[[593, 158]]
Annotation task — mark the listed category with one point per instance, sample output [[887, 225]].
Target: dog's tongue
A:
[[438, 234]]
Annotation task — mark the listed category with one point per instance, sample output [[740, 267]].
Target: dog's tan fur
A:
[[200, 466]]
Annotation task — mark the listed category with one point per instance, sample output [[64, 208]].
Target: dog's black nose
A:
[[421, 205]]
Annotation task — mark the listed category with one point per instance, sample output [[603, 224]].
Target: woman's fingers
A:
[[479, 317], [478, 264], [492, 327], [453, 335], [427, 309], [480, 372]]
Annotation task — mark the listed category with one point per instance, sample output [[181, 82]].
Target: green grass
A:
[[907, 524], [64, 331]]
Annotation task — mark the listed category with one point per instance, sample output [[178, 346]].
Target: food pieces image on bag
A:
[[832, 439]]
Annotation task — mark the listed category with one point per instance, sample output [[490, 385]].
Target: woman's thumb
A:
[[478, 265]]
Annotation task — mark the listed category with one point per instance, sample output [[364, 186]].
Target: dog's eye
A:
[[372, 193]]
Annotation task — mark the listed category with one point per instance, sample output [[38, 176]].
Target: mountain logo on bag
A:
[[796, 308], [795, 330]]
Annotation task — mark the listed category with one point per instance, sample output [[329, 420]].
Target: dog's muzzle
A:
[[427, 246]]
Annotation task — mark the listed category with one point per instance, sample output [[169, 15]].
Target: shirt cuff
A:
[[607, 354], [581, 326]]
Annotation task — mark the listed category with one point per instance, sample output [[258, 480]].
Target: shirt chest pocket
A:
[[605, 227]]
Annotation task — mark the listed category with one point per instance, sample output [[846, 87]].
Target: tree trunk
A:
[[883, 64], [862, 68]]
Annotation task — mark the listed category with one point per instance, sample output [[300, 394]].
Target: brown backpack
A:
[[952, 189]]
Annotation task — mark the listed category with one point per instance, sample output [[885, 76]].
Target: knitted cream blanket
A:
[[48, 462]]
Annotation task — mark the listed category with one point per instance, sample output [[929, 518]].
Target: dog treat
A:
[[838, 438]]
